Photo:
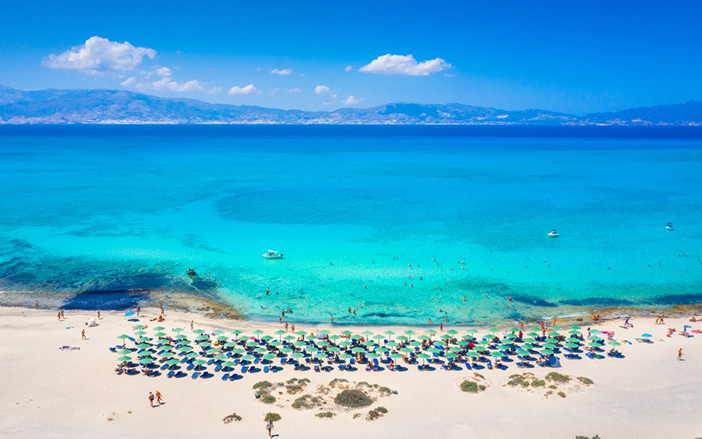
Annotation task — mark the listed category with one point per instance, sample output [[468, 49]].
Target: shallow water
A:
[[118, 208]]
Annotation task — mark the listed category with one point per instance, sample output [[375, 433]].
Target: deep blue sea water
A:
[[113, 208]]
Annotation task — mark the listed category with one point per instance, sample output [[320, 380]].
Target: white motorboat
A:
[[272, 254], [669, 227], [553, 234]]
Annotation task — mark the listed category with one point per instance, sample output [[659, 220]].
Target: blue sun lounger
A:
[[196, 374], [225, 377], [266, 368], [244, 369]]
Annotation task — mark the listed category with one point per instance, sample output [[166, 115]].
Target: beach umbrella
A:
[[300, 333], [381, 350], [406, 350], [423, 356], [160, 334], [159, 328], [423, 337], [391, 344], [211, 351], [452, 332], [355, 336], [346, 332], [322, 332], [322, 344], [297, 355], [261, 350], [218, 332], [236, 331], [513, 329], [378, 337], [345, 344], [574, 332], [480, 348], [451, 355], [456, 348], [276, 343], [221, 357], [289, 337], [372, 355], [556, 328], [472, 331], [646, 335], [199, 331], [229, 364], [125, 358], [286, 350], [430, 331], [199, 363], [528, 346], [402, 338], [546, 352], [201, 338], [511, 335], [269, 356], [446, 336], [299, 344], [572, 345], [146, 360], [267, 338], [433, 350], [395, 356], [334, 337], [389, 332], [345, 356], [462, 342], [532, 334], [140, 333], [496, 354], [614, 343], [251, 343], [279, 332], [257, 331], [594, 337], [143, 346], [124, 351], [522, 352], [574, 327], [334, 349], [594, 344], [167, 355], [140, 327], [473, 354], [367, 332], [222, 338], [185, 349], [178, 330], [484, 342], [493, 330], [129, 313], [358, 350], [535, 328], [182, 337], [320, 355], [410, 332], [248, 357], [123, 336], [205, 344], [191, 355], [143, 339], [595, 331]]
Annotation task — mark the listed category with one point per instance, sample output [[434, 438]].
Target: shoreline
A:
[[49, 392], [211, 307]]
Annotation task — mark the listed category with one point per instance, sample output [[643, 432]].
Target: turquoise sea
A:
[[91, 209]]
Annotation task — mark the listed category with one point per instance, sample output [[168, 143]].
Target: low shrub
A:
[[268, 399], [262, 385], [561, 394], [275, 417], [538, 383], [382, 410], [325, 414], [229, 418], [305, 402], [585, 380], [557, 377], [353, 399], [470, 386], [385, 390]]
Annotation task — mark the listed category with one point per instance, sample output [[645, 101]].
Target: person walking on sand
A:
[[269, 427], [59, 316], [82, 335], [36, 304], [192, 324], [680, 354], [98, 314], [159, 398], [138, 311], [151, 399]]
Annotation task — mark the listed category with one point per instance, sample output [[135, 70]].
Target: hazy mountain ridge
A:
[[53, 106]]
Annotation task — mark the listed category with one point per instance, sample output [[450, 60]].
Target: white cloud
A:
[[246, 90], [349, 68], [128, 82], [351, 101], [404, 65], [281, 72], [163, 71], [294, 90], [100, 55], [320, 89]]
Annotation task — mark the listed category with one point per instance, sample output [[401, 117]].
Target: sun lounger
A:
[[244, 369], [170, 374], [190, 366], [489, 364], [225, 377], [266, 369], [163, 367], [316, 368]]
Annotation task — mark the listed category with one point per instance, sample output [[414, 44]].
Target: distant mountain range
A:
[[120, 107]]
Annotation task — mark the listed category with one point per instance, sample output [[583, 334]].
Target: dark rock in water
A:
[[603, 302], [95, 300], [534, 301]]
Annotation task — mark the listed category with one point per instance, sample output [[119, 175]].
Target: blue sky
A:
[[566, 56]]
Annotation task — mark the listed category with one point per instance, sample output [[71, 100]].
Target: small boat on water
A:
[[553, 234], [272, 254], [669, 227]]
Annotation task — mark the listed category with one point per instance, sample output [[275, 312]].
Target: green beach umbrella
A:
[[301, 333], [221, 357], [473, 354], [229, 363], [143, 346], [201, 338], [368, 343], [248, 357], [299, 344], [199, 331], [522, 352], [238, 351], [123, 336], [423, 357], [535, 328], [367, 333], [514, 329], [614, 343], [140, 333], [389, 332], [423, 337], [276, 343], [297, 355], [346, 332], [546, 352], [322, 344], [334, 337], [167, 355], [320, 355], [222, 338], [574, 332], [358, 350], [172, 362], [140, 327], [218, 332], [595, 331], [452, 332], [124, 351], [182, 337], [406, 350], [402, 338], [372, 355], [286, 350], [446, 336], [395, 356], [334, 349], [410, 332], [125, 358], [345, 356], [496, 354], [472, 331], [532, 334], [289, 337], [159, 328], [511, 335], [178, 330], [480, 348], [574, 327], [212, 351], [251, 343], [269, 356], [260, 350], [146, 360], [257, 331], [572, 345], [378, 337], [191, 355], [556, 328], [236, 331], [456, 348], [433, 350], [345, 344], [462, 342], [430, 332], [391, 344], [451, 355], [594, 344], [205, 344], [493, 330]]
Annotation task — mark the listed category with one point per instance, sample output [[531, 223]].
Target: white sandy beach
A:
[[47, 392]]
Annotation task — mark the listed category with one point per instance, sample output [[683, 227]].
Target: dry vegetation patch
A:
[[553, 383]]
